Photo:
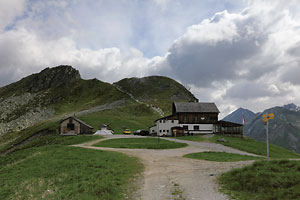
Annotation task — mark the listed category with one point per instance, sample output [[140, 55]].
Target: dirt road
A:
[[168, 175]]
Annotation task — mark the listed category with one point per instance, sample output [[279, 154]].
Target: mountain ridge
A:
[[43, 98]]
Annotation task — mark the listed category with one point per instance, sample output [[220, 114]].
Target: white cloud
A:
[[26, 53], [9, 10], [247, 58]]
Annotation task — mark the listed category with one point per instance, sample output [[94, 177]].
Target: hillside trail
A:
[[154, 108], [169, 176]]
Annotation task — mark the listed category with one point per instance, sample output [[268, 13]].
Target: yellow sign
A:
[[267, 117], [271, 116]]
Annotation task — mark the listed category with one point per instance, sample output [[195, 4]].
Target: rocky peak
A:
[[292, 107], [52, 78]]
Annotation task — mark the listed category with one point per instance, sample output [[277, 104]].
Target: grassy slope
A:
[[140, 143], [56, 171], [10, 139], [133, 116], [221, 156], [248, 145], [262, 180], [160, 91], [84, 94]]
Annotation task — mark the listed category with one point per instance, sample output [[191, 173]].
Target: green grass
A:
[[60, 140], [249, 145], [195, 138], [277, 180], [64, 172], [161, 91], [132, 116], [7, 140], [140, 143], [220, 156]]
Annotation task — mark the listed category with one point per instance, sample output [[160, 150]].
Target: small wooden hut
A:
[[74, 126]]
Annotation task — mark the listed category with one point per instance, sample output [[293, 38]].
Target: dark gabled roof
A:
[[78, 120], [187, 107]]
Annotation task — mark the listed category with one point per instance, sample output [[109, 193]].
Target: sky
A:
[[236, 53]]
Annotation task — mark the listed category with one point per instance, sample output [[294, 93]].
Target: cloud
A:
[[248, 56], [9, 10], [232, 53], [26, 53]]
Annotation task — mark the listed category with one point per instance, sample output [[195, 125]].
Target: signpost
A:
[[266, 118]]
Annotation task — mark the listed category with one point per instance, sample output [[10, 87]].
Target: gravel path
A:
[[168, 175]]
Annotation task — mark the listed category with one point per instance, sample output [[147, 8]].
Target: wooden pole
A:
[[267, 138]]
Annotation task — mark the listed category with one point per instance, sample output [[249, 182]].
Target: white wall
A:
[[203, 128], [164, 127]]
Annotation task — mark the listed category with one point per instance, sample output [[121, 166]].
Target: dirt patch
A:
[[168, 175]]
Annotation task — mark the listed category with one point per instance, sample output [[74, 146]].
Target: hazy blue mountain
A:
[[237, 116]]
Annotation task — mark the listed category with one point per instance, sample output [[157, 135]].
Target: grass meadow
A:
[[276, 180], [248, 145], [50, 169], [140, 143], [220, 156]]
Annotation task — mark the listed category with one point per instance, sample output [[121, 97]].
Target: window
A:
[[168, 131], [164, 130], [160, 121], [70, 126], [196, 119], [172, 121], [185, 128], [196, 128]]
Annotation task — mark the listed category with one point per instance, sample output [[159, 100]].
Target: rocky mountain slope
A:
[[237, 116], [292, 107], [50, 93]]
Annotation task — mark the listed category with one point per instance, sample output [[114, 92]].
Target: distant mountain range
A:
[[284, 129]]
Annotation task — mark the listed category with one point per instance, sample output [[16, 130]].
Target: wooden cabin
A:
[[74, 126]]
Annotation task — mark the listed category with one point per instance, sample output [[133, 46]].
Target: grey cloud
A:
[[203, 63], [251, 90]]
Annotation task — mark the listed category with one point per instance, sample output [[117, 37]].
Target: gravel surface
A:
[[168, 175]]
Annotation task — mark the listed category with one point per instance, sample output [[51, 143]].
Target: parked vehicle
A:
[[141, 132], [127, 131]]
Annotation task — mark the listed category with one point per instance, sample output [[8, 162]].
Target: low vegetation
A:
[[140, 143], [247, 144], [221, 156], [132, 116], [57, 171], [274, 180], [11, 139]]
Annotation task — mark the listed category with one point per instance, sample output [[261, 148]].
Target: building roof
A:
[[78, 120], [201, 107]]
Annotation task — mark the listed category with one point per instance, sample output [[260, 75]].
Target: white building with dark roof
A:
[[194, 118]]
